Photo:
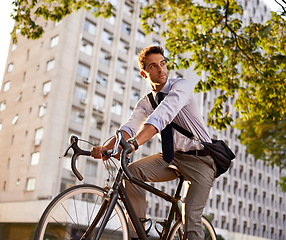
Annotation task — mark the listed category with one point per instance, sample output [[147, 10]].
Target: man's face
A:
[[155, 69]]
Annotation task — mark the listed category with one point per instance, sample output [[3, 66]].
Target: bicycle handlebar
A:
[[77, 151], [126, 149]]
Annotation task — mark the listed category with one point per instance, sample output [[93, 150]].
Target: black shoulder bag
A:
[[219, 151]]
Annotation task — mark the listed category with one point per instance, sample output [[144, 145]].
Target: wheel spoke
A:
[[71, 213]]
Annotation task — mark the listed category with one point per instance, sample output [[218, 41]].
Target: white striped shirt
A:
[[179, 106]]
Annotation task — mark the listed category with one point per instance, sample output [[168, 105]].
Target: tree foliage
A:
[[26, 13], [245, 63]]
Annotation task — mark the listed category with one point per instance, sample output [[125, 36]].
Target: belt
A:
[[204, 152]]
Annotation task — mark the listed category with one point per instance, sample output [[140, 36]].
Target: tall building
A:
[[246, 201], [82, 78]]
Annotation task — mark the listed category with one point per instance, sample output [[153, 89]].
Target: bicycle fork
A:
[[96, 220], [105, 211]]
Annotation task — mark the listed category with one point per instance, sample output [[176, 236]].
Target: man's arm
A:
[[147, 132]]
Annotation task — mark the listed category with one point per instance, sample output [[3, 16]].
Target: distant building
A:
[[82, 78]]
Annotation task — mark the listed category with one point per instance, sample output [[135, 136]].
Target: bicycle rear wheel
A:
[[176, 232], [72, 212]]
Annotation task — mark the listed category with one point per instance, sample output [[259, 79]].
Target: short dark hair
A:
[[147, 51]]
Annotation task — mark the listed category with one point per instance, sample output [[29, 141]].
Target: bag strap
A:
[[174, 125]]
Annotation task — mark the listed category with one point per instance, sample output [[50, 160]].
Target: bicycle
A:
[[88, 211]]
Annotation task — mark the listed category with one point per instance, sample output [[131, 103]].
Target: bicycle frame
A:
[[109, 199], [118, 190]]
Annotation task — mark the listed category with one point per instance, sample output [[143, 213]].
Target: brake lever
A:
[[116, 145], [73, 140], [77, 152]]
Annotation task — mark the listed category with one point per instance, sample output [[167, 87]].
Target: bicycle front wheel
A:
[[72, 212], [177, 232]]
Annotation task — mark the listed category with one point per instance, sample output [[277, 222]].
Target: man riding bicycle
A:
[[176, 103]]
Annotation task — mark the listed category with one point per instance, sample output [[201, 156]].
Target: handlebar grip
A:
[[77, 152], [126, 149]]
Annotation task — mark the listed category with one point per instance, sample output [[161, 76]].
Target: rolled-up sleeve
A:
[[137, 118]]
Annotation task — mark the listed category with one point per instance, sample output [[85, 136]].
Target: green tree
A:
[[246, 63], [26, 13]]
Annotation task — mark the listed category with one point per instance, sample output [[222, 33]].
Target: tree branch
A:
[[284, 10], [234, 34]]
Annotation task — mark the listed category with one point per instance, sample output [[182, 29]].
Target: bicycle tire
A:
[[176, 232], [71, 212]]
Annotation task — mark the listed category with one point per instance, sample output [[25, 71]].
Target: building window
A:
[[118, 87], [35, 158], [77, 115], [156, 42], [86, 47], [89, 27], [104, 57], [136, 75], [31, 184], [47, 87], [80, 93], [14, 47], [116, 108], [96, 122], [121, 66], [38, 136], [54, 41], [140, 36], [28, 54], [58, 23], [19, 98], [4, 186], [95, 141], [83, 70], [98, 102], [91, 168], [126, 28], [50, 65], [15, 119], [128, 9], [113, 127], [10, 67], [6, 86], [156, 28], [111, 19], [66, 163], [135, 94], [102, 79], [2, 106], [107, 37], [113, 3], [42, 110], [123, 46]]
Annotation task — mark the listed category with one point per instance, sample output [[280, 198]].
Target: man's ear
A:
[[143, 74]]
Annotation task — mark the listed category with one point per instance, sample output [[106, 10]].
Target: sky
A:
[[6, 26]]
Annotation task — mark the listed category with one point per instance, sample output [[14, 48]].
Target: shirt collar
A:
[[165, 89]]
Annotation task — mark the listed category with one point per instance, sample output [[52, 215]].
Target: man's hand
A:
[[97, 152]]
